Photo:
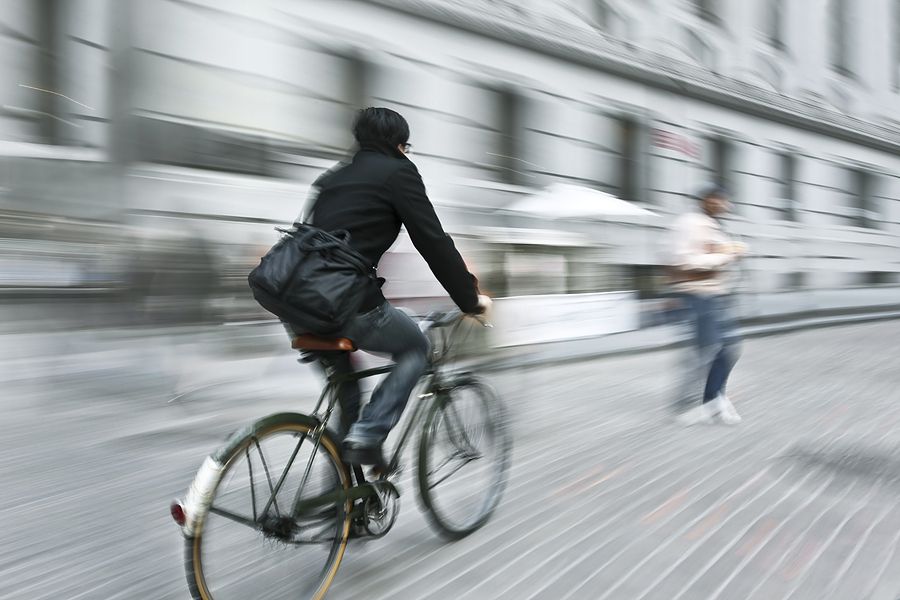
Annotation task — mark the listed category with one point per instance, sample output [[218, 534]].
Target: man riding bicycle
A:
[[371, 197]]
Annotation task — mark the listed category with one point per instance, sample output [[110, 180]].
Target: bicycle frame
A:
[[433, 387]]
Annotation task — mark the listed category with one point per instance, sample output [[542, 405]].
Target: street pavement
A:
[[607, 497]]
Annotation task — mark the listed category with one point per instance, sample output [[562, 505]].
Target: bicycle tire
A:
[[490, 481], [229, 456]]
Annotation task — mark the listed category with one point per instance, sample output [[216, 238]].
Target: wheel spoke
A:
[[262, 457], [252, 485], [466, 446], [253, 524], [318, 532], [443, 464], [452, 413], [284, 473], [466, 449], [462, 463]]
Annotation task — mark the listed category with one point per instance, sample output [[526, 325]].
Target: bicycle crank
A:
[[381, 508]]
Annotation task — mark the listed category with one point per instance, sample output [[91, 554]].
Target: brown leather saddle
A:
[[317, 343]]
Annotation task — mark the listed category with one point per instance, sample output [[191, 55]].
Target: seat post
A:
[[335, 379], [330, 391], [325, 351], [329, 364]]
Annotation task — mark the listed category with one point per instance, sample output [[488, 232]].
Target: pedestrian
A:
[[701, 256]]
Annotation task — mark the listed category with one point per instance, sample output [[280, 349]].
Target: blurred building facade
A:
[[170, 121]]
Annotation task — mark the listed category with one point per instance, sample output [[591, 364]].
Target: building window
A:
[[198, 147], [611, 21], [839, 31], [49, 76], [770, 72], [720, 161], [508, 109], [707, 10], [786, 177], [864, 213], [774, 25], [895, 62], [602, 15], [875, 278], [631, 166], [356, 81], [795, 280], [645, 280], [700, 51]]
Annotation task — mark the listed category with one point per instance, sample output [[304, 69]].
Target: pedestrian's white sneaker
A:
[[699, 415], [725, 409]]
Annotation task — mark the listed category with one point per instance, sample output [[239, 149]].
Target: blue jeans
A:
[[383, 330], [715, 347]]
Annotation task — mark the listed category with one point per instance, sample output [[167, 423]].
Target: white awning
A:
[[565, 201]]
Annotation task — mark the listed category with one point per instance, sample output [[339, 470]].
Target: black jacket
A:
[[371, 197]]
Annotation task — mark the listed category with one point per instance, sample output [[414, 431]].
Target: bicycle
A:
[[315, 507]]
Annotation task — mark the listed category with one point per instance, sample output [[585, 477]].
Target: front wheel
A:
[[464, 455], [252, 541]]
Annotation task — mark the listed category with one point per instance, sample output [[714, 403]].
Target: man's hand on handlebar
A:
[[482, 310], [484, 305]]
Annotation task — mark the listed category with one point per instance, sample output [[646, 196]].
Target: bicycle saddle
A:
[[308, 341]]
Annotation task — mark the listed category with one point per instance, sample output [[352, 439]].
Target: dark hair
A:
[[712, 190], [377, 125]]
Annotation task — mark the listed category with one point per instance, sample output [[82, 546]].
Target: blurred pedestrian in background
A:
[[701, 254]]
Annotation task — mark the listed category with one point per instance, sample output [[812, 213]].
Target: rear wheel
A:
[[250, 544], [464, 455]]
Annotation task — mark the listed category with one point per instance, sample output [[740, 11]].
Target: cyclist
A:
[[379, 190]]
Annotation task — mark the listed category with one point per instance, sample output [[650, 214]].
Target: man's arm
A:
[[430, 239]]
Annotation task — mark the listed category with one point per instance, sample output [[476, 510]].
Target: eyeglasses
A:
[[407, 148]]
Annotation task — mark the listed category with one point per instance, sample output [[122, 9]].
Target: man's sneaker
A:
[[699, 415], [726, 411], [359, 453]]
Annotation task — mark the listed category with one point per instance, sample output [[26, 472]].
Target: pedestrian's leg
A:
[[731, 337], [689, 370], [702, 354], [687, 359], [718, 373], [726, 358], [708, 340]]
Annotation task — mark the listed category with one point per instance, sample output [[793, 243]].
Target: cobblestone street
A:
[[608, 498]]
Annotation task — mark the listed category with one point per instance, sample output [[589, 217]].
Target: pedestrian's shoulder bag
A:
[[312, 279]]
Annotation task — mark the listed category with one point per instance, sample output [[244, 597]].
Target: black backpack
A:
[[312, 279]]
